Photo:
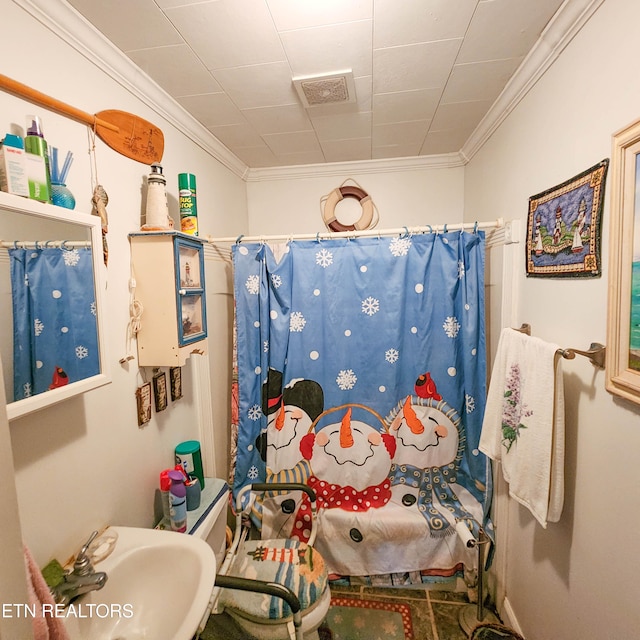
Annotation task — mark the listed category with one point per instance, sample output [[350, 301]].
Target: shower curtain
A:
[[55, 334], [362, 372]]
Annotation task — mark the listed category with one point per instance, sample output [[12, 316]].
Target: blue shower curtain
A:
[[55, 339], [342, 345]]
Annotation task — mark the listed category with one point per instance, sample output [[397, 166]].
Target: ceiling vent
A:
[[326, 89]]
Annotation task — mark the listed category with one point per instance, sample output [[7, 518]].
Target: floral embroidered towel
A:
[[523, 423]]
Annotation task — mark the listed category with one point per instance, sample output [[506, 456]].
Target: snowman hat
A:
[[305, 394], [272, 392]]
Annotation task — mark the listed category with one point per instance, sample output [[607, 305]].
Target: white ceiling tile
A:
[[229, 33], [305, 157], [505, 29], [213, 109], [262, 85], [120, 21], [294, 14], [413, 21], [448, 141], [176, 70], [280, 119], [257, 156], [237, 135], [329, 49], [460, 115], [418, 65], [415, 66], [347, 150], [403, 106], [169, 4], [479, 80], [292, 142], [400, 133], [396, 150], [350, 125]]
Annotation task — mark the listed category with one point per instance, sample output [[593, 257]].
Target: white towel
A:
[[523, 423]]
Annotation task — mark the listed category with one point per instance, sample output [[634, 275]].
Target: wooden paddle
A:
[[124, 132]]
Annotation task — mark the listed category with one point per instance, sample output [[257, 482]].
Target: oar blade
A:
[[136, 138]]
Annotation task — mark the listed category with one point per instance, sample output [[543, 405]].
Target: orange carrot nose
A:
[[413, 422], [280, 417], [346, 436]]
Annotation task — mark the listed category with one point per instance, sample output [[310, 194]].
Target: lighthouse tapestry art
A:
[[361, 373], [563, 227]]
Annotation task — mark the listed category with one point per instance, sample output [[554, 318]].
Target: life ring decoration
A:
[[328, 203]]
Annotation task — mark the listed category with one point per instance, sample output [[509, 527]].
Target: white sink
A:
[[159, 586]]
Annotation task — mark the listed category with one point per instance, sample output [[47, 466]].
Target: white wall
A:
[[578, 578], [403, 198], [84, 463]]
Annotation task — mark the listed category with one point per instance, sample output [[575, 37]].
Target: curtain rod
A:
[[44, 244], [440, 228]]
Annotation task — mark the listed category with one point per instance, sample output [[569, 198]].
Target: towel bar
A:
[[596, 352]]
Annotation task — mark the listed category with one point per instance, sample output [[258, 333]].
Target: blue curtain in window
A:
[[362, 372], [55, 339]]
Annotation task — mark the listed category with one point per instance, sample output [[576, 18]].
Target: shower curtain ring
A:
[[239, 238], [318, 237], [63, 245], [475, 227], [406, 233], [445, 228]]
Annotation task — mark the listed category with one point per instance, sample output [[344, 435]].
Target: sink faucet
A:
[[81, 579]]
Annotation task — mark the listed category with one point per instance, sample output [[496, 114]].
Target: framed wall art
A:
[[175, 378], [143, 401], [563, 227], [160, 390], [623, 319]]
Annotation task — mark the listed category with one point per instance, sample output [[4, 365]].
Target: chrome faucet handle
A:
[[82, 565]]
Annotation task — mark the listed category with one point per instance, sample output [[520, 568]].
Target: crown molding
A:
[[558, 33], [385, 165], [63, 20]]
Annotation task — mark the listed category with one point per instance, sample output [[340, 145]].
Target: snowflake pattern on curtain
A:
[[54, 318]]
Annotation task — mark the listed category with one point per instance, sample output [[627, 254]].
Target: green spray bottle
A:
[[35, 144]]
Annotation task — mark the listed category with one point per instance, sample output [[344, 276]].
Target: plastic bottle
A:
[[35, 144], [188, 206], [178, 496], [165, 493]]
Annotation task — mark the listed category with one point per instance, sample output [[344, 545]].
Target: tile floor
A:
[[434, 613]]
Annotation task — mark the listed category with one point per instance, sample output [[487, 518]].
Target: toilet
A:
[[305, 575]]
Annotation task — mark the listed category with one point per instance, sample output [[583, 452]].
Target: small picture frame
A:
[[160, 391], [143, 400], [175, 382]]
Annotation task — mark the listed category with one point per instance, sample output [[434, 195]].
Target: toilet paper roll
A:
[[465, 535]]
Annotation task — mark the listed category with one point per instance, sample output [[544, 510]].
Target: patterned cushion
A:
[[287, 562]]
